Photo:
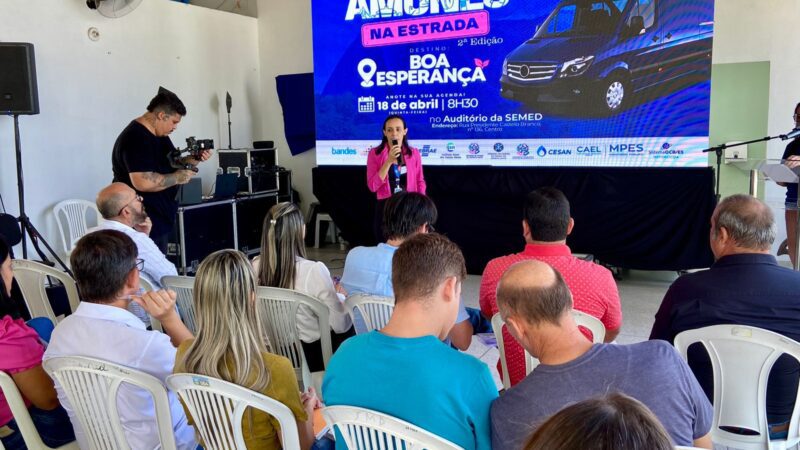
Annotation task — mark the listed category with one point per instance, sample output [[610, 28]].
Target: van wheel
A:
[[613, 95]]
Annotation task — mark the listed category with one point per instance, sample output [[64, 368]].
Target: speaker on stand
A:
[[19, 95]]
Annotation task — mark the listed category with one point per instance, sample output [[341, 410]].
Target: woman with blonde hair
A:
[[283, 264], [229, 345], [612, 422]]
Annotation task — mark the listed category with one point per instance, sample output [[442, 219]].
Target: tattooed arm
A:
[[156, 182]]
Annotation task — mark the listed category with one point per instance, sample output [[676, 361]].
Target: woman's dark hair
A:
[[405, 148], [612, 422], [6, 303]]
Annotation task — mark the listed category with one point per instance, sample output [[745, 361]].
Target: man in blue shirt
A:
[[368, 270], [745, 286], [404, 370]]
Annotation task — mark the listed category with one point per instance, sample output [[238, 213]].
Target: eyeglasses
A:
[[430, 228], [138, 197], [795, 116], [139, 264]]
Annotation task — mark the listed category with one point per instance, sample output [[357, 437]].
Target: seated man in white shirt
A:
[[122, 210], [106, 272]]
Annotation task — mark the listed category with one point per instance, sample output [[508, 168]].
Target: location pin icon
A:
[[367, 69]]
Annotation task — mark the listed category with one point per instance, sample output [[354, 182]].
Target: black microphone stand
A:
[[721, 147], [228, 105]]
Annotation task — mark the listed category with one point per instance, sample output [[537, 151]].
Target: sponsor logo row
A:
[[474, 149]]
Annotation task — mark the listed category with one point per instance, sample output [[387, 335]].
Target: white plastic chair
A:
[[153, 322], [277, 309], [741, 358], [92, 386], [591, 323], [71, 216], [581, 319], [497, 327], [374, 310], [364, 429], [20, 412], [332, 230], [31, 277], [184, 288], [217, 407]]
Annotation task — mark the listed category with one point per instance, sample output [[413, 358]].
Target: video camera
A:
[[194, 148]]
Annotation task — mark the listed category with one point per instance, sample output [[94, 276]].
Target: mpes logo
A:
[[498, 147], [625, 149], [474, 148], [523, 150], [451, 147]]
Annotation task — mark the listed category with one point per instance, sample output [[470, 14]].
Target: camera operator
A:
[[141, 159]]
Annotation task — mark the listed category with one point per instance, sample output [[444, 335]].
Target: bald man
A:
[[122, 210], [536, 305]]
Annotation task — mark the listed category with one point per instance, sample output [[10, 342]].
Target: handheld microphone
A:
[[400, 161], [791, 135], [228, 101]]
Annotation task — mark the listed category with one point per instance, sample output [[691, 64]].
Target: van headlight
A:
[[505, 66], [576, 66]]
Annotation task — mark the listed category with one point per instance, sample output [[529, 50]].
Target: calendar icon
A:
[[366, 104]]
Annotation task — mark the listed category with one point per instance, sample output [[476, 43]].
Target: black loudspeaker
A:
[[250, 213], [18, 91]]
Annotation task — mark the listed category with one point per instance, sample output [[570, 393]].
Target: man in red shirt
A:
[[546, 224]]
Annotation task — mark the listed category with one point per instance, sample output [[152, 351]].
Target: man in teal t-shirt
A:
[[404, 370]]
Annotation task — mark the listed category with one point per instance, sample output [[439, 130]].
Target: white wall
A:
[[284, 36], [89, 91], [244, 7], [765, 30]]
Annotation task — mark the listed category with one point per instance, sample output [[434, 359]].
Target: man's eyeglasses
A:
[[795, 116], [138, 197], [139, 264]]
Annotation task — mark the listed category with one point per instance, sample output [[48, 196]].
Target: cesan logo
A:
[[423, 69]]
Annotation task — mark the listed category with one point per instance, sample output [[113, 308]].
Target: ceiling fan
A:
[[113, 8]]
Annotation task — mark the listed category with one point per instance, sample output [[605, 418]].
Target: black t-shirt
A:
[[791, 150], [139, 150]]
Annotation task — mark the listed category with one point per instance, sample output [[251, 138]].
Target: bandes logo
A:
[[423, 69]]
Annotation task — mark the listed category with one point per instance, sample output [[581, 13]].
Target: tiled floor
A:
[[640, 292]]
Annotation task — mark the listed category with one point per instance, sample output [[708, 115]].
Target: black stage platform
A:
[[638, 218]]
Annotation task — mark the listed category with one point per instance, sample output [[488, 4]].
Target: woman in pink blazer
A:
[[393, 166]]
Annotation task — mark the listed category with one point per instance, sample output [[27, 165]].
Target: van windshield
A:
[[582, 17]]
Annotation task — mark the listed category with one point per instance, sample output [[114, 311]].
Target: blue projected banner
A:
[[516, 82]]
